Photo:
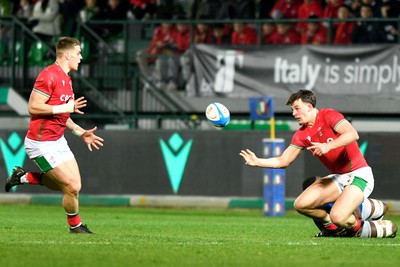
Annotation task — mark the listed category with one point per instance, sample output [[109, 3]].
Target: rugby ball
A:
[[217, 114]]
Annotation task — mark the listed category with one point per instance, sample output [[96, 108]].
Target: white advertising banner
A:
[[352, 70]]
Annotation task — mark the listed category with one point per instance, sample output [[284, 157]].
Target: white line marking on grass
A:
[[312, 243], [205, 243], [380, 245], [49, 242]]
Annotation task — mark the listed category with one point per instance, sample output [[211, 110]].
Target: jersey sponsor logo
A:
[[176, 154], [65, 98]]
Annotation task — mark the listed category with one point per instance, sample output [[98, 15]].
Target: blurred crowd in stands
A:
[[52, 18]]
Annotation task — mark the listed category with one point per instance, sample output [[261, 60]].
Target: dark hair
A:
[[345, 6], [305, 96], [366, 5]]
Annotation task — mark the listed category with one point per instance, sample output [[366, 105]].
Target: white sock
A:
[[378, 229], [372, 209], [379, 209], [23, 179]]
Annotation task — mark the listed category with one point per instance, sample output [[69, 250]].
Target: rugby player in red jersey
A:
[[51, 101], [333, 140]]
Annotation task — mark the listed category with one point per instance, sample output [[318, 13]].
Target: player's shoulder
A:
[[53, 72], [327, 110], [48, 71], [330, 116]]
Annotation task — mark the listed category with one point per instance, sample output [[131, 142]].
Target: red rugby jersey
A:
[[55, 84], [340, 160]]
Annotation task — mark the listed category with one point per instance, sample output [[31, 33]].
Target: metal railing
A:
[[109, 75]]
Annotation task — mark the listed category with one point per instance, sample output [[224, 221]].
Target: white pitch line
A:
[[66, 243]]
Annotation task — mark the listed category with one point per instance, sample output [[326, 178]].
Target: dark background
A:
[[131, 162]]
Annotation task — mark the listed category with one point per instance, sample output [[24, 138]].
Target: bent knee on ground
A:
[[339, 219], [300, 205]]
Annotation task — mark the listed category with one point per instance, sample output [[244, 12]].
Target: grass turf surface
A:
[[38, 236]]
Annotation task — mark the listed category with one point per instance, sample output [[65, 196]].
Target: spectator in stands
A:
[[163, 38], [243, 34], [332, 8], [167, 68], [264, 9], [285, 34], [114, 10], [202, 33], [285, 8], [331, 11], [24, 11], [143, 9], [344, 29], [367, 32], [308, 8], [394, 7], [375, 6], [237, 9], [268, 31], [171, 8], [389, 27], [219, 36], [355, 8], [69, 10], [46, 14], [204, 9], [182, 36], [315, 33], [89, 11]]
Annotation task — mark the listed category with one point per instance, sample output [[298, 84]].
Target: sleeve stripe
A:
[[298, 147], [337, 124], [40, 92]]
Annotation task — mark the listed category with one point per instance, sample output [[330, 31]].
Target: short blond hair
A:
[[66, 43]]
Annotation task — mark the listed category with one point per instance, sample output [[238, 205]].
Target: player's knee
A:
[[299, 205], [338, 219], [73, 187]]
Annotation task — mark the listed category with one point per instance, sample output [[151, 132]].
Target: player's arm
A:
[[87, 136], [347, 135], [37, 105], [74, 128], [287, 157]]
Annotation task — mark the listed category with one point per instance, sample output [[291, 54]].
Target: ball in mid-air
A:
[[217, 114]]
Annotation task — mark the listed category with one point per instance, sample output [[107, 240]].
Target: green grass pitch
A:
[[38, 236]]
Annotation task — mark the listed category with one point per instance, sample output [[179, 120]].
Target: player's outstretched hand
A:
[[91, 139], [249, 157], [79, 103]]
